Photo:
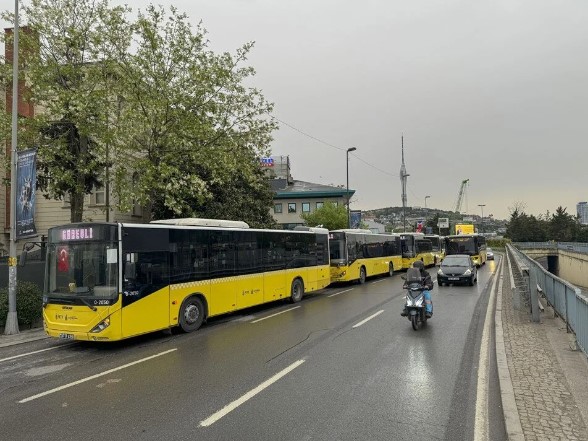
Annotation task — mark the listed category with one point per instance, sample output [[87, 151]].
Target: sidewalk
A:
[[548, 378], [22, 337]]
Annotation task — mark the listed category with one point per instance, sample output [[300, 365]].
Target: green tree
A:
[[69, 76], [191, 134], [563, 226], [330, 216]]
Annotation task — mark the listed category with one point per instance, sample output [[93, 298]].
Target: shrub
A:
[[29, 303], [498, 244]]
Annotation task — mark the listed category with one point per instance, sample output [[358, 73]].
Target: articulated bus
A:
[[357, 254], [437, 246], [416, 247], [471, 244], [110, 281]]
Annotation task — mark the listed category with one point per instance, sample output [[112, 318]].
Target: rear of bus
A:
[[81, 293]]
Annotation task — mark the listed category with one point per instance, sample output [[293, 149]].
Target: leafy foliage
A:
[[29, 303], [146, 105], [188, 125], [69, 76], [330, 216], [560, 226]]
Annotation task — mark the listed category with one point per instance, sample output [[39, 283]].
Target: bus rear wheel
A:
[[297, 291], [191, 314]]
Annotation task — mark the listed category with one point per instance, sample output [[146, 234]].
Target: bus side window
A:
[[130, 272]]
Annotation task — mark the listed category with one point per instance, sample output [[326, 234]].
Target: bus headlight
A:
[[101, 326]]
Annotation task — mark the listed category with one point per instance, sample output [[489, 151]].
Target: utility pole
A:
[[350, 149], [403, 179], [482, 218], [11, 326]]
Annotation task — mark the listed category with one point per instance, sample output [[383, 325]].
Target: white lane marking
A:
[[368, 319], [378, 281], [32, 353], [481, 428], [232, 406], [83, 380], [277, 313], [340, 292]]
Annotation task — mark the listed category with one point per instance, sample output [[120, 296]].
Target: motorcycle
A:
[[415, 306]]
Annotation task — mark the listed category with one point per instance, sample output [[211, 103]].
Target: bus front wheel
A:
[[191, 314], [297, 291], [391, 270], [362, 275]]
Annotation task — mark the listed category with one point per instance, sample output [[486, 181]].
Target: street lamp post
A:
[[350, 149], [482, 219], [426, 197]]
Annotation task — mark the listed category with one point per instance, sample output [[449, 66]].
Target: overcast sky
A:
[[495, 91]]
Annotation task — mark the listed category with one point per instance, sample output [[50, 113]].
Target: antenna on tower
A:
[[403, 179]]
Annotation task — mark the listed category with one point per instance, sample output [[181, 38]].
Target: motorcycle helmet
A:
[[419, 264]]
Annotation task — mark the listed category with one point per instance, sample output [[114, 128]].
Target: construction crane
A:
[[461, 194]]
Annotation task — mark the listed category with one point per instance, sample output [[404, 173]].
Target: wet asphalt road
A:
[[317, 371]]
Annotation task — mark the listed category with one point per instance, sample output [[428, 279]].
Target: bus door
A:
[[249, 265], [146, 292], [224, 284], [145, 296]]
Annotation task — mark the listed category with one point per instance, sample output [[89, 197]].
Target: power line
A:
[[333, 146]]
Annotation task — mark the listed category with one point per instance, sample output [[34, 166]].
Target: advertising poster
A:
[[355, 218], [26, 179]]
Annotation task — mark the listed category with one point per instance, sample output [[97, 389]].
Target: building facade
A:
[[294, 198], [582, 210]]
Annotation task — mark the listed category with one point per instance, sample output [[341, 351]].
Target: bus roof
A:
[[194, 221], [353, 230]]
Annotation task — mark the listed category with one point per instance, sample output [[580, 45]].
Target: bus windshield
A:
[[82, 269], [462, 245]]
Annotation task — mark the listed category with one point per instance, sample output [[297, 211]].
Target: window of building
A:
[[278, 208], [319, 205], [98, 196], [306, 207], [292, 207]]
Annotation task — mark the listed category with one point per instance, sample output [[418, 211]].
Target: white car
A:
[[489, 254]]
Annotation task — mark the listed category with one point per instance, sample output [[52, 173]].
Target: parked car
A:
[[457, 269], [489, 254]]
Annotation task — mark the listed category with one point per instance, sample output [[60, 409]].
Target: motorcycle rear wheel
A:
[[414, 320]]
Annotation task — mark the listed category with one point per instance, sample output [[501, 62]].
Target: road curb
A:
[[22, 337], [514, 429]]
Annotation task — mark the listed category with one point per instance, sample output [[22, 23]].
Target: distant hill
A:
[[393, 217]]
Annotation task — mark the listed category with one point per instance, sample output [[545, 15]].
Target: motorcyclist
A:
[[427, 283]]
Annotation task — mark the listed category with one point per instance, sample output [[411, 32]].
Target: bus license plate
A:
[[66, 336], [453, 278]]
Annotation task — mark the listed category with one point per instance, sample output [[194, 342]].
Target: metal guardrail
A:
[[578, 247], [566, 299]]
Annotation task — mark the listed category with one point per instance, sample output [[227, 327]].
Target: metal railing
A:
[[578, 247], [566, 299]]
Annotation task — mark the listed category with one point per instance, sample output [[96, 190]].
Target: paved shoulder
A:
[[546, 405]]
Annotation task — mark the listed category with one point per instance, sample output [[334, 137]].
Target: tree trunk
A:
[[77, 196]]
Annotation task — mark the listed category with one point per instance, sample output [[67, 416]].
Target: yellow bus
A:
[[437, 247], [416, 247], [107, 282], [471, 244], [358, 254]]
